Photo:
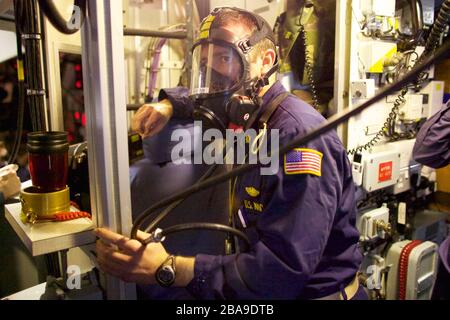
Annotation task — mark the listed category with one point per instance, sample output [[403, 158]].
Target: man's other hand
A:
[[151, 118], [9, 181]]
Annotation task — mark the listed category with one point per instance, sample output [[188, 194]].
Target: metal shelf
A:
[[48, 237]]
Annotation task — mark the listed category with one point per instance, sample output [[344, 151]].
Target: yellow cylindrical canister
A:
[[42, 206]]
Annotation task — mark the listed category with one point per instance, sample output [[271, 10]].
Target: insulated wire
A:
[[28, 64], [388, 125], [309, 69], [153, 57], [39, 73], [21, 86], [438, 27]]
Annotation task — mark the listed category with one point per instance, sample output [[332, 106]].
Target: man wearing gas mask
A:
[[300, 221]]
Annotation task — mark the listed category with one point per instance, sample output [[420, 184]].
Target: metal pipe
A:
[[155, 33], [7, 19]]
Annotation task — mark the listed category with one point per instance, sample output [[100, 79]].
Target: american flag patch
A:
[[303, 161]]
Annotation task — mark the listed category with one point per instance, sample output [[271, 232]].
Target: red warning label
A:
[[385, 171]]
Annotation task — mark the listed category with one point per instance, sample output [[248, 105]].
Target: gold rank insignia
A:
[[252, 192]]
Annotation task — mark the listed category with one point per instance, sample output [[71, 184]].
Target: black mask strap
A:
[[270, 109], [260, 83]]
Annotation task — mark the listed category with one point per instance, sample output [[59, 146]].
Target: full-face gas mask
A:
[[222, 89]]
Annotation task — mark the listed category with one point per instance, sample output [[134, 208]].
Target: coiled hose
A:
[[309, 69], [386, 126], [438, 27]]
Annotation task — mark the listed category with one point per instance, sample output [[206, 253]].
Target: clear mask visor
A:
[[215, 69]]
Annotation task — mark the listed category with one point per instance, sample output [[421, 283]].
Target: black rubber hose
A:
[[53, 15], [153, 224], [202, 226], [332, 123]]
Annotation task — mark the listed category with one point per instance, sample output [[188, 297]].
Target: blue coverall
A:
[[301, 226], [432, 148]]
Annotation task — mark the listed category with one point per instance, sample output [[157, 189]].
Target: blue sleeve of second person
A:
[[179, 98], [292, 230], [432, 147]]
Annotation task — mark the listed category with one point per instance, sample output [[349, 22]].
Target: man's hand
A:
[[129, 260], [9, 181], [151, 118]]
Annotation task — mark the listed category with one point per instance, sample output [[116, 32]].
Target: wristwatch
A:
[[165, 275]]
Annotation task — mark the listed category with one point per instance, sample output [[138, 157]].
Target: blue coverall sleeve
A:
[[179, 98], [290, 235], [432, 147]]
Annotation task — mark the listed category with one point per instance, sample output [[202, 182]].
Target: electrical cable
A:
[[388, 126], [309, 69], [438, 27], [154, 67], [55, 18], [32, 38], [147, 66], [27, 29], [37, 75], [153, 56], [326, 126], [377, 34], [21, 85]]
